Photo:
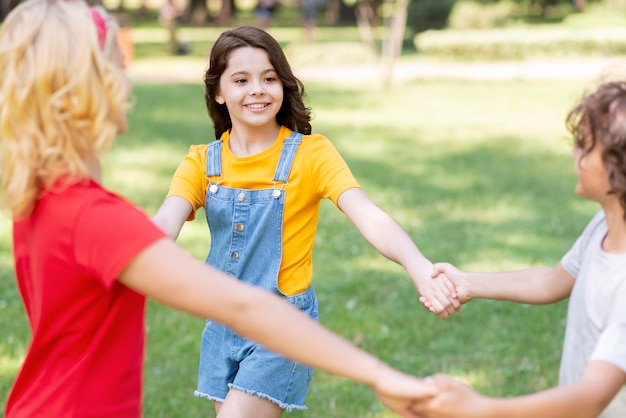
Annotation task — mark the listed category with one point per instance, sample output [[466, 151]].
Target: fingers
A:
[[441, 313], [444, 301], [430, 308], [438, 268], [434, 307], [438, 308], [442, 381], [449, 284]]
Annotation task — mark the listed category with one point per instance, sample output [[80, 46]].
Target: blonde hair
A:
[[63, 99]]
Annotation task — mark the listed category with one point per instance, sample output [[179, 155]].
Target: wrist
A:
[[377, 371], [420, 273], [469, 285]]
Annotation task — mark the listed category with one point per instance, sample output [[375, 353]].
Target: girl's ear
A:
[[219, 99]]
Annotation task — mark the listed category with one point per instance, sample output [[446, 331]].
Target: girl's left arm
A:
[[389, 239]]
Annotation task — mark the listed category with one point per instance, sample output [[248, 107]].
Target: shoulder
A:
[[115, 221], [94, 201], [597, 224], [89, 200], [77, 197], [317, 143], [598, 219], [198, 151]]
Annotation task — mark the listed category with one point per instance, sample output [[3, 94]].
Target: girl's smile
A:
[[251, 90]]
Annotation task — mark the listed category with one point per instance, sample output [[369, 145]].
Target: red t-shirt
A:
[[86, 354]]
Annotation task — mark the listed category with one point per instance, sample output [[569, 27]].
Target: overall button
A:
[[241, 196], [213, 188], [276, 194], [234, 255], [239, 227]]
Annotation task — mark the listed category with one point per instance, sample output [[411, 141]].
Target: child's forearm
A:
[[578, 400], [533, 286], [172, 215], [586, 398]]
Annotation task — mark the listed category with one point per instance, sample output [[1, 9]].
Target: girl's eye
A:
[[240, 81], [270, 78]]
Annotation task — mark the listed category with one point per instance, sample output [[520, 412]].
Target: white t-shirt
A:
[[596, 318]]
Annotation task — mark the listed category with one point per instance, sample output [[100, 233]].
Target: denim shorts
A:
[[230, 361]]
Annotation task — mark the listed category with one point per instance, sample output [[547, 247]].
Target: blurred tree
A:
[[395, 25], [367, 17], [169, 16], [428, 14], [197, 12]]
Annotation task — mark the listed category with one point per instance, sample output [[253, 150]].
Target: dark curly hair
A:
[[292, 114], [600, 117]]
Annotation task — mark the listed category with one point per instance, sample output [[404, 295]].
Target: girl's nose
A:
[[257, 89]]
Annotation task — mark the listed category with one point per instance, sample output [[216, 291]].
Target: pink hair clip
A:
[[101, 26]]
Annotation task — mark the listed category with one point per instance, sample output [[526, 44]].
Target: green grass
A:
[[478, 173]]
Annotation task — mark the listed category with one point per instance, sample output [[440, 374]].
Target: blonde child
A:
[[86, 259]]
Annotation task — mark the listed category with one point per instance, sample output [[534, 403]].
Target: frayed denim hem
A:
[[281, 405], [205, 396]]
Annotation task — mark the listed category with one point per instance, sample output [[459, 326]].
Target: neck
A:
[[615, 240], [94, 170], [245, 142]]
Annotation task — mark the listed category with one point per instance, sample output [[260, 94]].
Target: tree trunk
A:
[[332, 12], [392, 44], [580, 5], [364, 17], [196, 13], [226, 12]]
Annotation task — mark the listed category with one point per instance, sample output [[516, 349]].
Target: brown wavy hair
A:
[[292, 114], [600, 117]]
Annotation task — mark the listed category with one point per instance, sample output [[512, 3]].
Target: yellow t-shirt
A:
[[318, 172]]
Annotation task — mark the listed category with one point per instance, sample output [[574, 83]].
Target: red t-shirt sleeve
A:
[[111, 232]]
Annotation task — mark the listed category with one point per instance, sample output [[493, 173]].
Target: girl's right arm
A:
[[171, 276], [172, 215], [538, 286]]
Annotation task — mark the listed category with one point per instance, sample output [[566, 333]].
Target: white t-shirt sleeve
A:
[[572, 259]]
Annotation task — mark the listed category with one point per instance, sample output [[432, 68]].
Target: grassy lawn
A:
[[478, 173]]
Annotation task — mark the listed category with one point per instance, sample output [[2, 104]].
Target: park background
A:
[[460, 136]]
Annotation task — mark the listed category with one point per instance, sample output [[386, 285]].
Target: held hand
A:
[[439, 296], [457, 279], [400, 392], [454, 399]]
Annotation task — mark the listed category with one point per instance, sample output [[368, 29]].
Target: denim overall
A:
[[246, 243]]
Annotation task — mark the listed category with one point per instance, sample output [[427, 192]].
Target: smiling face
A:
[[250, 89]]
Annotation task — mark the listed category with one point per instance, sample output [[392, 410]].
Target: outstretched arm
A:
[[168, 274], [538, 286], [586, 398], [388, 237], [172, 215]]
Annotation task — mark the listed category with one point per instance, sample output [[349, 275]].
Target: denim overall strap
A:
[[214, 159], [290, 147]]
